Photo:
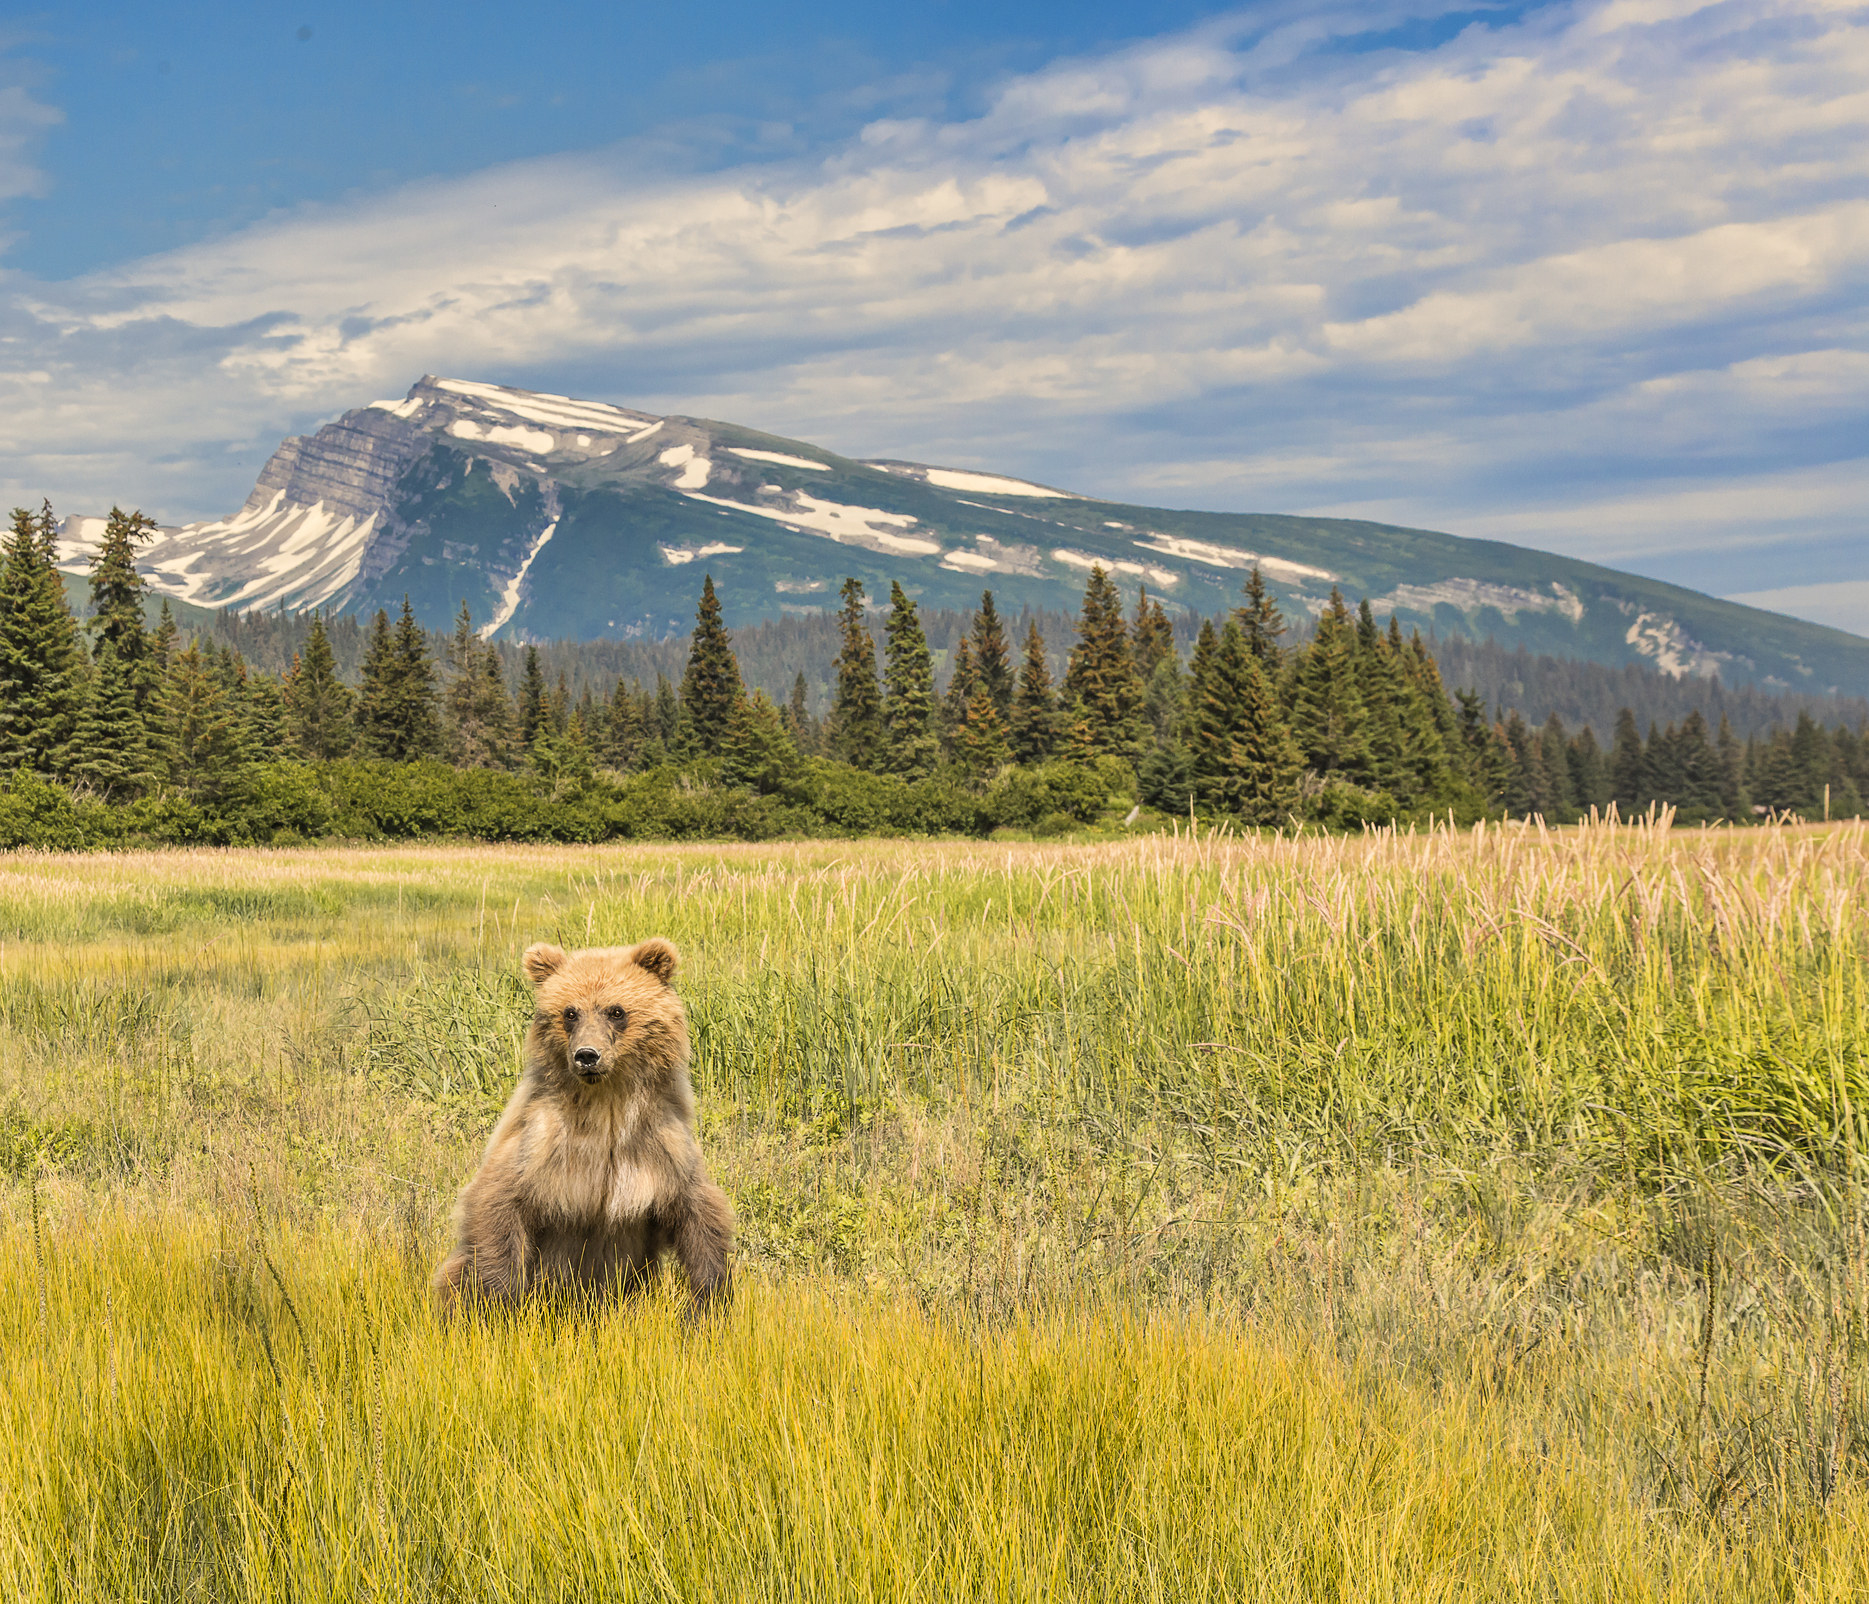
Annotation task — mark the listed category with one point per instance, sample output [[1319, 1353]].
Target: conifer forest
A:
[[116, 728]]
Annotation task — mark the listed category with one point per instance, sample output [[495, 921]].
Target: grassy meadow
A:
[[1472, 1215]]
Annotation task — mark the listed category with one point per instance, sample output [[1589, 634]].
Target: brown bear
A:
[[593, 1172]]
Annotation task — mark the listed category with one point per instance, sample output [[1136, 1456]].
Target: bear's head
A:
[[607, 1015]]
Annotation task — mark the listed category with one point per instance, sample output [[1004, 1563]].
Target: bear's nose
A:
[[585, 1058]]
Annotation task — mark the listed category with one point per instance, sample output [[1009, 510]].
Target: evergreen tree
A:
[[1528, 787], [1263, 625], [624, 730], [855, 733], [558, 706], [909, 742], [980, 744], [1662, 770], [1554, 753], [711, 687], [212, 749], [117, 591], [1699, 798], [1151, 639], [1628, 767], [991, 658], [1487, 764], [1102, 674], [534, 709], [318, 704], [958, 700], [110, 746], [667, 710], [1589, 774], [1035, 723], [563, 760], [759, 751], [1327, 716], [1809, 770], [1731, 756], [42, 682], [466, 743], [1242, 756], [799, 723], [414, 706]]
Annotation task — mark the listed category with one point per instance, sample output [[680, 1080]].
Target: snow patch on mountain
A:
[[990, 484], [536, 441], [1471, 596], [538, 406], [510, 594], [869, 527], [1167, 578], [779, 457], [677, 555], [694, 470], [1214, 556], [272, 555]]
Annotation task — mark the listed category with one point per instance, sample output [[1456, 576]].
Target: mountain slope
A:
[[554, 518]]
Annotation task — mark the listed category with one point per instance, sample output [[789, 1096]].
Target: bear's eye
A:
[[571, 1016], [615, 1014]]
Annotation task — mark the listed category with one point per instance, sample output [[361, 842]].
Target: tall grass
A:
[[1465, 1215]]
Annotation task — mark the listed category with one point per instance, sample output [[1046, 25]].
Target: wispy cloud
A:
[[1581, 270]]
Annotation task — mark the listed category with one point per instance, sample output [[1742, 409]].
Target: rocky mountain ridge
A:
[[559, 518]]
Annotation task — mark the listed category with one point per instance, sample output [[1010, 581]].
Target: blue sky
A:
[[1592, 277]]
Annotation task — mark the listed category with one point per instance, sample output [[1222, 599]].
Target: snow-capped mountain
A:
[[559, 518]]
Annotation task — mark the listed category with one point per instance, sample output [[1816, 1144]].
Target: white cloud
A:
[[1542, 281]]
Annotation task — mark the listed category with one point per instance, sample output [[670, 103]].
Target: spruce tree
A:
[[981, 746], [856, 724], [1484, 759], [711, 687], [318, 705], [211, 747], [798, 720], [909, 742], [414, 706], [991, 659], [534, 715], [958, 699], [667, 710], [1734, 803], [759, 751], [1554, 752], [1263, 624], [1242, 757], [42, 680], [624, 734], [110, 747], [1102, 674], [1151, 639], [1528, 790], [117, 589], [558, 706], [1327, 716], [1589, 774], [1628, 767], [1035, 723]]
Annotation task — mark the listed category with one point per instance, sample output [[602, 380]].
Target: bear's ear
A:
[[659, 957], [542, 961]]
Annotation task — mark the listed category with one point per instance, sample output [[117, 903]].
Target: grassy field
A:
[[1460, 1216]]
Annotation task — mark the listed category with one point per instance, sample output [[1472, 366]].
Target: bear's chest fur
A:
[[597, 1159]]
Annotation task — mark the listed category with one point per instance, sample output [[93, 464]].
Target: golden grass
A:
[[1450, 1215]]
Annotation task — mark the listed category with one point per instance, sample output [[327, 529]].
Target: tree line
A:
[[1350, 724]]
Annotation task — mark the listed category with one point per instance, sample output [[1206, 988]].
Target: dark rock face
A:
[[351, 466]]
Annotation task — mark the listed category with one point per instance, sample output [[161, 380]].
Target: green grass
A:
[[1466, 1216]]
